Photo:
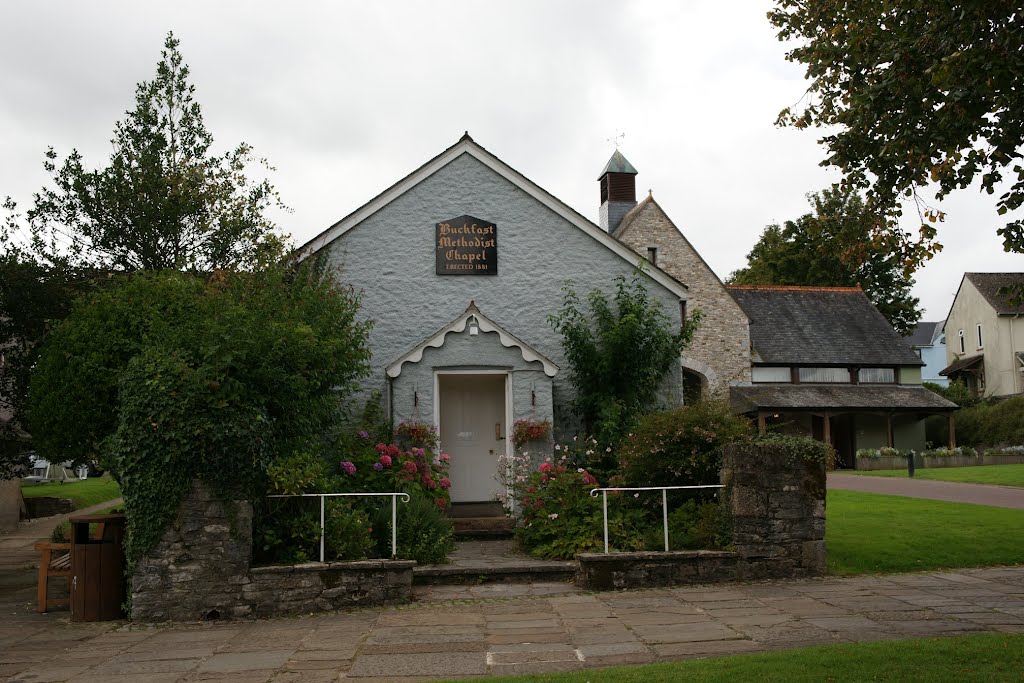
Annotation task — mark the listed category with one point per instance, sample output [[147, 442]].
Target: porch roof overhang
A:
[[893, 398], [436, 340], [962, 365]]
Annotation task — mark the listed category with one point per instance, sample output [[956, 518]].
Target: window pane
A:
[[825, 375], [876, 376], [771, 374]]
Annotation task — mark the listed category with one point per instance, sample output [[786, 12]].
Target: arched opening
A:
[[694, 386]]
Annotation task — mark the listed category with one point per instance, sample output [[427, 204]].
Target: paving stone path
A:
[[518, 634], [950, 491]]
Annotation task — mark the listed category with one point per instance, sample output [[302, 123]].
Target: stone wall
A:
[[200, 569], [720, 350], [48, 506], [778, 507]]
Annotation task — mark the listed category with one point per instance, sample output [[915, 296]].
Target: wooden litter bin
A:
[[97, 568]]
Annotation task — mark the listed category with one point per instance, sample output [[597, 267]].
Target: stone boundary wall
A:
[[926, 462], [201, 569], [48, 506], [778, 506]]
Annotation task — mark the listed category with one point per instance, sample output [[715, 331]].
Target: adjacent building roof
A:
[[819, 326], [997, 288], [925, 334], [841, 397], [618, 164]]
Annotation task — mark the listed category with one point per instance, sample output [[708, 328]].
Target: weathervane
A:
[[617, 139]]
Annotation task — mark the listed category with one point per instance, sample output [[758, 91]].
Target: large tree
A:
[[164, 200], [836, 246], [914, 94]]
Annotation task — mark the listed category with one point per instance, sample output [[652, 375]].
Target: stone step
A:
[[488, 509], [525, 572], [484, 527]]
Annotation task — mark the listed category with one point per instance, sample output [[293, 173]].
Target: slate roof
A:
[[618, 164], [989, 284], [892, 397], [836, 326], [924, 333], [962, 364]]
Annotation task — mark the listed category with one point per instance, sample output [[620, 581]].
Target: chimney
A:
[[618, 191]]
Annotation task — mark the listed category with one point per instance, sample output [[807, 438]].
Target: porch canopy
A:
[[833, 400]]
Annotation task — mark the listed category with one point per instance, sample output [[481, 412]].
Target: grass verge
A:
[[867, 532], [84, 493], [986, 657], [1002, 475]]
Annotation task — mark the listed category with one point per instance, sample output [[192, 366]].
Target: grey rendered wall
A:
[[390, 257]]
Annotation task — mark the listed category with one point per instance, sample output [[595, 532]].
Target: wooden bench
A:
[[55, 561]]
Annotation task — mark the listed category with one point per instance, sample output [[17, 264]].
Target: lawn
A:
[[987, 657], [867, 532], [84, 493], [1004, 475]]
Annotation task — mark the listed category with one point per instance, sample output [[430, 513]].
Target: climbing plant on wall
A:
[[165, 377]]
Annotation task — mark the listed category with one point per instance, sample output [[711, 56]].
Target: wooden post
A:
[[828, 429], [952, 431], [762, 426], [888, 430]]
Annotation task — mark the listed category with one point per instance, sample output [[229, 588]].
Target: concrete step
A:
[[484, 527]]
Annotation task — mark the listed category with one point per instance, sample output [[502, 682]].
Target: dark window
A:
[[652, 256]]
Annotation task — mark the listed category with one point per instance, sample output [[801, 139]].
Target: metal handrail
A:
[[664, 503], [321, 496]]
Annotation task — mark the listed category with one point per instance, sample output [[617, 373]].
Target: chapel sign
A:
[[466, 246]]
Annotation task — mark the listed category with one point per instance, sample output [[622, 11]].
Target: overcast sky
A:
[[345, 98]]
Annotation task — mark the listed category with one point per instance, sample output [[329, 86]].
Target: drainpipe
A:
[[1013, 357]]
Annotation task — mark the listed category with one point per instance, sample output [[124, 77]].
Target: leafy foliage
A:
[[836, 246], [681, 447], [425, 533], [912, 93], [165, 200], [560, 519], [165, 377], [698, 525], [802, 448], [618, 355], [956, 391], [992, 423]]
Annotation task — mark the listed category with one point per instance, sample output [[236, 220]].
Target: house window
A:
[[962, 346], [876, 376], [981, 345], [825, 375], [652, 255], [777, 375]]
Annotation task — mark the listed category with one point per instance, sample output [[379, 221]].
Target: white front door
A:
[[473, 429]]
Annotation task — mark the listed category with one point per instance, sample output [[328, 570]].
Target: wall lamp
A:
[[474, 326]]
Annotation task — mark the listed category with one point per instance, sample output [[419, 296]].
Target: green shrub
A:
[[681, 447], [992, 423], [697, 525], [425, 532], [808, 449], [348, 532], [560, 519]]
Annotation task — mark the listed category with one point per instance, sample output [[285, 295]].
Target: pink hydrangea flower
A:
[[546, 467], [385, 461], [348, 468], [409, 467], [446, 483], [444, 457]]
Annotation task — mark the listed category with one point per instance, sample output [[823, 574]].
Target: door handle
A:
[[497, 432]]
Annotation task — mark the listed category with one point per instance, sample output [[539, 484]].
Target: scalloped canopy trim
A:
[[459, 325]]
